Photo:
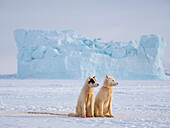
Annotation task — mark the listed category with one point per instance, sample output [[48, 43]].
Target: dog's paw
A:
[[83, 116], [111, 116], [102, 116], [90, 116]]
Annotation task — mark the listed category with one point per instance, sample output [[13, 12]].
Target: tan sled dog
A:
[[103, 101], [85, 103]]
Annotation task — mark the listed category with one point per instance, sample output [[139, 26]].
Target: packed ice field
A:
[[141, 103]]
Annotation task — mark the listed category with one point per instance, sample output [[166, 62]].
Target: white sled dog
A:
[[85, 103], [103, 101]]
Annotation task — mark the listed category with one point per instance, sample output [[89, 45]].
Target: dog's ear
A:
[[89, 77], [94, 77], [107, 76]]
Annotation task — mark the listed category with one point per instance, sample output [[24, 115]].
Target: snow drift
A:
[[66, 54]]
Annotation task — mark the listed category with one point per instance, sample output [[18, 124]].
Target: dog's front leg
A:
[[92, 106], [84, 110], [110, 107], [101, 109]]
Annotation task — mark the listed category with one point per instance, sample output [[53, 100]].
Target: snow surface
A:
[[66, 54], [143, 104]]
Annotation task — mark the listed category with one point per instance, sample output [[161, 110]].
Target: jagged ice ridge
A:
[[68, 55]]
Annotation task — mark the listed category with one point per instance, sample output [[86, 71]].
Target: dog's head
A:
[[110, 81], [91, 82]]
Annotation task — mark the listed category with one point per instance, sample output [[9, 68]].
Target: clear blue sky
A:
[[117, 20]]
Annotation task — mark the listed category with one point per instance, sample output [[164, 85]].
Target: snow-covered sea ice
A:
[[142, 103]]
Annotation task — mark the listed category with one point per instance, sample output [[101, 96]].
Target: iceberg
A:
[[68, 55]]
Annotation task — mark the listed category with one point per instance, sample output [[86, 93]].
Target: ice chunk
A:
[[51, 53], [66, 54], [39, 52]]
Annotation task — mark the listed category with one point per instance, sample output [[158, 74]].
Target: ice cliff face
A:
[[66, 54]]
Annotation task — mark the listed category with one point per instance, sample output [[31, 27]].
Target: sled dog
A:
[[85, 103], [103, 101]]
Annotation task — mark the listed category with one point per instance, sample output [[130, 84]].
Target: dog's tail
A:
[[73, 114]]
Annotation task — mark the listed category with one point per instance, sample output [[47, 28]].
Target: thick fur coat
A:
[[85, 103], [103, 101]]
